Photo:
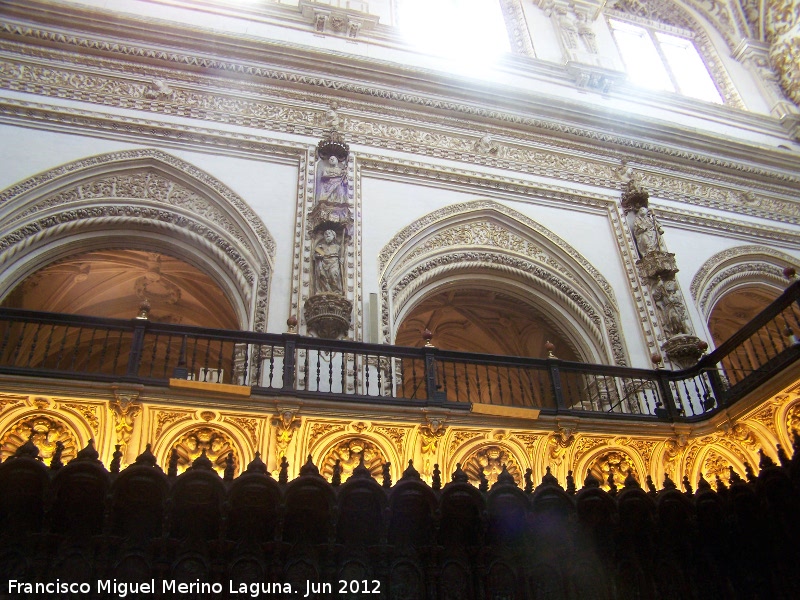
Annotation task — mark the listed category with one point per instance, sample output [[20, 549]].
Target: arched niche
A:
[[113, 283], [139, 200], [733, 286], [607, 460], [483, 245]]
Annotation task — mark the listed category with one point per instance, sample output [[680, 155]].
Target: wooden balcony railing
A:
[[141, 351]]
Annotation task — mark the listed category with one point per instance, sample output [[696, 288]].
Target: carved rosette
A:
[[683, 350]]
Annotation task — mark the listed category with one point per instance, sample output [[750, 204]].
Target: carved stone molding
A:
[[328, 18], [148, 190], [757, 264]]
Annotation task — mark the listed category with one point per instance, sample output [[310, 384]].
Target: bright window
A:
[[469, 31], [662, 61]]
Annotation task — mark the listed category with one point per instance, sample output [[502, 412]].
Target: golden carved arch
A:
[[349, 444], [607, 459], [491, 453], [715, 460], [47, 428], [217, 438]]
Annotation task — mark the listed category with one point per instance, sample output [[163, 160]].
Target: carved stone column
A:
[[657, 269], [328, 312]]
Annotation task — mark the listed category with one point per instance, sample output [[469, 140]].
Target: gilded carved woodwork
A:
[[614, 465], [350, 452], [488, 461], [216, 445], [285, 425], [125, 414], [46, 432]]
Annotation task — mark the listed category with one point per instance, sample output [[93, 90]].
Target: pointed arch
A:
[[483, 243], [735, 268], [139, 199]]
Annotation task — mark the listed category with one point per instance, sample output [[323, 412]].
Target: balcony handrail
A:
[[147, 352]]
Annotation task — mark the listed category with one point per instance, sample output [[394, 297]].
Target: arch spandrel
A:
[[139, 199], [488, 244]]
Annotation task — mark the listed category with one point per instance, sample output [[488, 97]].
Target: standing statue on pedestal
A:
[[327, 265], [646, 232], [332, 185]]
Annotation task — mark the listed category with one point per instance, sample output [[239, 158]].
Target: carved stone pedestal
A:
[[328, 315], [683, 350], [657, 263]]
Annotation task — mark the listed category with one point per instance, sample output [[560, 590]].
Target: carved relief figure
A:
[[670, 307], [332, 185], [646, 232], [327, 265]]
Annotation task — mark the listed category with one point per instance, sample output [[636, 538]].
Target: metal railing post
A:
[[555, 383], [289, 347], [434, 395], [669, 408], [137, 346]]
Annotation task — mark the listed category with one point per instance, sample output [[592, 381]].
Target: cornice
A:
[[301, 67], [269, 149]]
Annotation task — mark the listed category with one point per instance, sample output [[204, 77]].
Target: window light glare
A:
[[641, 57], [688, 68], [469, 32]]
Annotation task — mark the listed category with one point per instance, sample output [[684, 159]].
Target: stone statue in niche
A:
[[646, 232], [332, 184], [670, 307], [328, 265]]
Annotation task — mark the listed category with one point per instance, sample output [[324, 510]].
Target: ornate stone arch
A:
[[737, 267], [139, 199], [494, 246]]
